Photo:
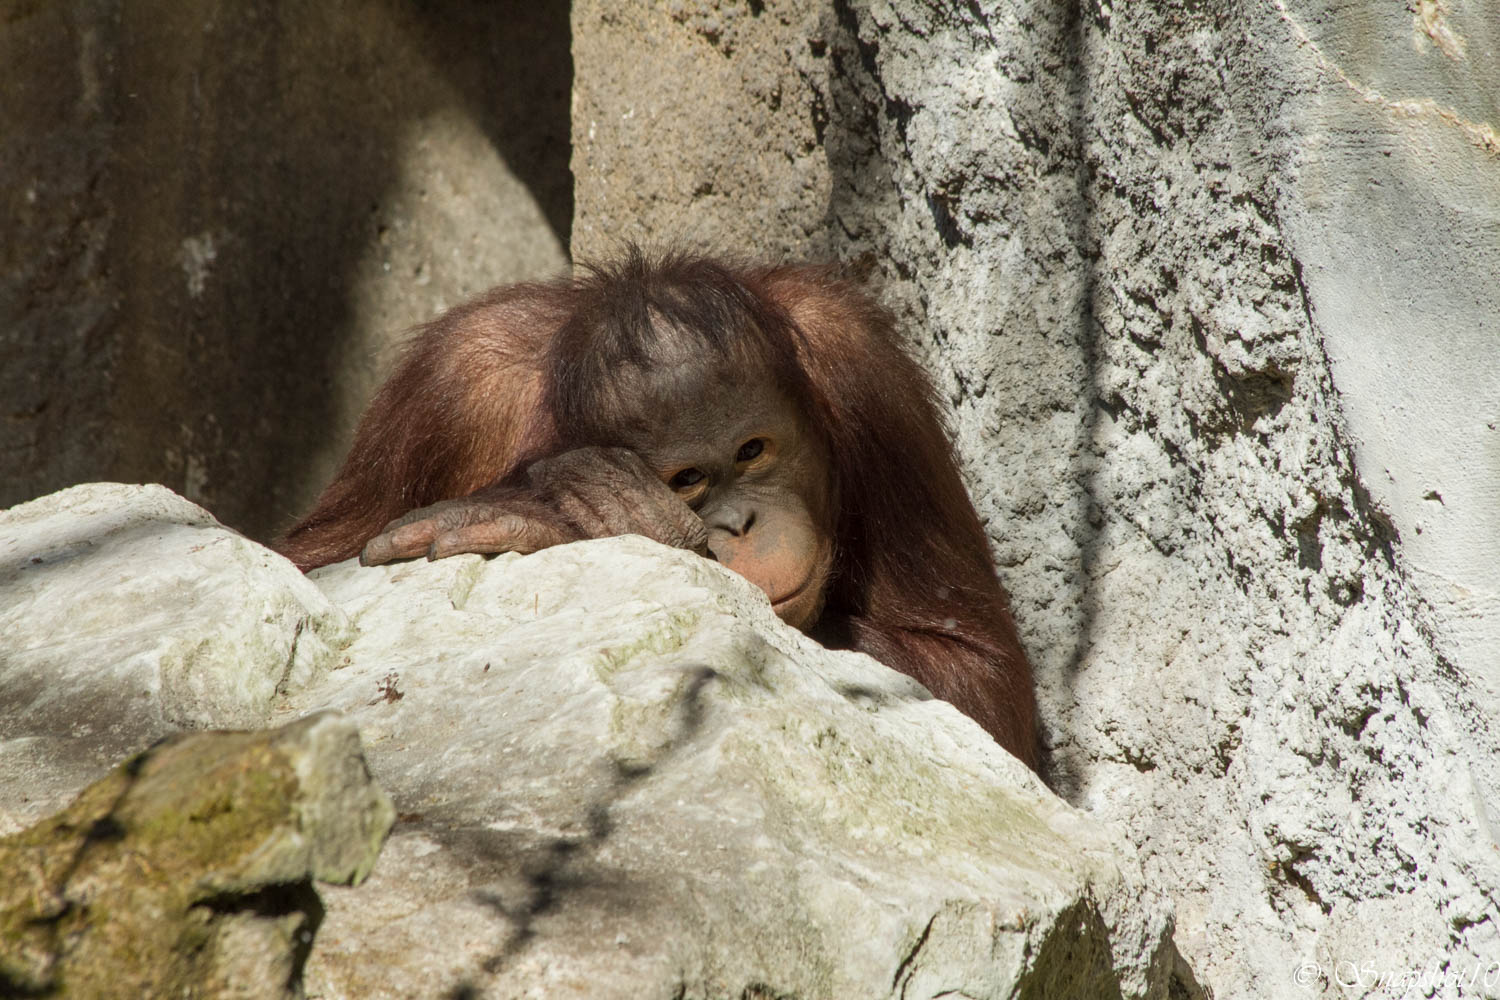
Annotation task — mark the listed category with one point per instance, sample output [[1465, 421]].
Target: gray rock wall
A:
[[219, 218], [1210, 291]]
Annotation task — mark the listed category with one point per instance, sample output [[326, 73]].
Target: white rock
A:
[[624, 777], [617, 773], [127, 613]]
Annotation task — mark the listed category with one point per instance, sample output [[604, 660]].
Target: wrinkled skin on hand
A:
[[718, 461], [590, 492]]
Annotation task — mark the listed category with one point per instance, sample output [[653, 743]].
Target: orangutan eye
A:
[[750, 449], [685, 479]]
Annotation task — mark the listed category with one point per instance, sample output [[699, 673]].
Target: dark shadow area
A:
[[295, 906], [1076, 960], [1077, 964], [190, 190], [1089, 516]]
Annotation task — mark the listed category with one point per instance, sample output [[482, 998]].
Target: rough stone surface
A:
[[127, 613], [690, 126], [1210, 291], [187, 871], [1394, 161], [618, 774], [220, 217], [622, 776]]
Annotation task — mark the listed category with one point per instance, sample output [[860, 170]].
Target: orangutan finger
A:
[[508, 533], [406, 541]]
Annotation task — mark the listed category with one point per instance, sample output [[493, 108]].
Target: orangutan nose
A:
[[733, 519]]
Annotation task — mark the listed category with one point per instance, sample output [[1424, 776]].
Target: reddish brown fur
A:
[[913, 585]]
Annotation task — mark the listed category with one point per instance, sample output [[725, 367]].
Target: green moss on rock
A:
[[190, 865]]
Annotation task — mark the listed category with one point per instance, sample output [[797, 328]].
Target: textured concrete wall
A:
[[692, 125], [218, 219], [1210, 292]]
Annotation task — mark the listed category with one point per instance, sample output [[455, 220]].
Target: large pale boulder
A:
[[623, 776], [617, 774]]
